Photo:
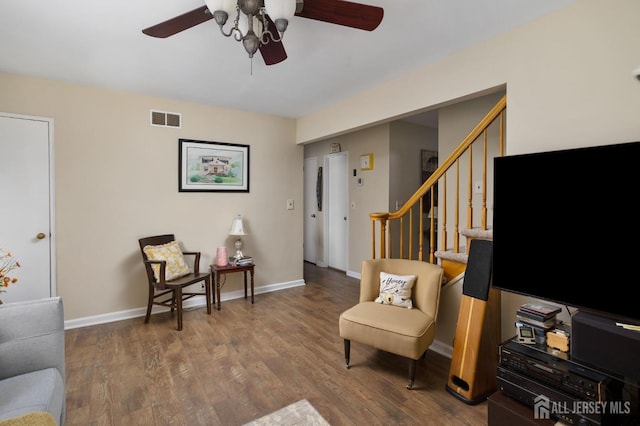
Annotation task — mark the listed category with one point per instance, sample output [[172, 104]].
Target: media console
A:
[[550, 385]]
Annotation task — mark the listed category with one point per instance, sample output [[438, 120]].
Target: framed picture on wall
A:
[[212, 166]]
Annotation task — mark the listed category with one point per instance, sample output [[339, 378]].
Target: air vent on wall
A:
[[165, 119]]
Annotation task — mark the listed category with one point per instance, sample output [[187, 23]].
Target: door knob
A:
[[313, 215], [40, 235]]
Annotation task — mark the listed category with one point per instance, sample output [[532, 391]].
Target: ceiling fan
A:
[[270, 18]]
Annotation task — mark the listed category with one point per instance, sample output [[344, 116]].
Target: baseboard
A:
[[442, 349], [353, 274], [194, 302], [199, 301]]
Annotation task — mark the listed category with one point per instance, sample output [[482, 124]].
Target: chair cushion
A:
[[41, 390], [396, 289], [406, 332], [34, 418], [172, 253]]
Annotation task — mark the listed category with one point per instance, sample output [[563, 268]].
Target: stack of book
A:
[[537, 315], [244, 261]]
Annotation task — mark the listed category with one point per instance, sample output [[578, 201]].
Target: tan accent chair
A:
[[398, 330]]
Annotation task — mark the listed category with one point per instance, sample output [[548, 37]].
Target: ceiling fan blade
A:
[[272, 52], [179, 23], [342, 12]]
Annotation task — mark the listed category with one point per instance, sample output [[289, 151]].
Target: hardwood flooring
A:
[[246, 361]]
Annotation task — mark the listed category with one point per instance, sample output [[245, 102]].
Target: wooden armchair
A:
[[395, 329], [168, 275]]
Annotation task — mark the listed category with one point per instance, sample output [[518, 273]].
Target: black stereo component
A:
[[559, 405], [561, 374], [602, 341]]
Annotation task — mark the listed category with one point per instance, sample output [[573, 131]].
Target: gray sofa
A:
[[32, 376]]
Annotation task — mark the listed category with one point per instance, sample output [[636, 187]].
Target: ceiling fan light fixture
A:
[[251, 43], [280, 8], [221, 10], [273, 17], [250, 7], [228, 6], [280, 11], [220, 16], [281, 24], [245, 24]]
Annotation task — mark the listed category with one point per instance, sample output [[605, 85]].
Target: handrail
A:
[[385, 232]]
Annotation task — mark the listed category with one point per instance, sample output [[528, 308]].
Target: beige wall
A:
[[568, 78], [396, 148], [454, 124], [405, 171], [406, 142], [369, 197], [116, 180]]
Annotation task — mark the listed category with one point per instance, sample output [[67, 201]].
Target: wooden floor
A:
[[245, 361]]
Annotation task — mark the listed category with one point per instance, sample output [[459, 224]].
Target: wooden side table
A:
[[218, 271]]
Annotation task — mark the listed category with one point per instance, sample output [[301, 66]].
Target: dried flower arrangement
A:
[[7, 264]]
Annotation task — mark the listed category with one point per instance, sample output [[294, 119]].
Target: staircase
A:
[[462, 209]]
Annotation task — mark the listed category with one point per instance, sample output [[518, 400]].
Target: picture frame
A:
[[212, 166], [366, 162]]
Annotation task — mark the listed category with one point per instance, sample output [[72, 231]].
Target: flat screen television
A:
[[566, 227]]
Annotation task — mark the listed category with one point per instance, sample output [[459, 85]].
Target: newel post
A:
[[382, 218]]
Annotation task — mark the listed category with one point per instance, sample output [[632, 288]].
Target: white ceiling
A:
[[100, 43]]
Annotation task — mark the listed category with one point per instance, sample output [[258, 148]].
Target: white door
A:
[[337, 196], [27, 200], [311, 193]]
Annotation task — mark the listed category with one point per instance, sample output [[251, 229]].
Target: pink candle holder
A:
[[221, 256]]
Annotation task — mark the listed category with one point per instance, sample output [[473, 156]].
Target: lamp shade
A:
[[228, 6], [280, 9], [236, 226]]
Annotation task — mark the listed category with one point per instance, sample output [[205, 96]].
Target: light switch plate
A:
[[477, 187]]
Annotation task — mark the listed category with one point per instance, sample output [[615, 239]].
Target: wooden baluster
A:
[[411, 233], [483, 211], [421, 231], [373, 239], [401, 238], [470, 191], [443, 216], [382, 218], [456, 216], [502, 133], [432, 224]]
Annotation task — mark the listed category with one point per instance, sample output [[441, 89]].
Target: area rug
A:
[[299, 413]]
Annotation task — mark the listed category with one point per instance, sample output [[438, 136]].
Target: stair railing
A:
[[397, 230]]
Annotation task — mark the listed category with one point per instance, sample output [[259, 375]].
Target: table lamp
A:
[[237, 229]]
